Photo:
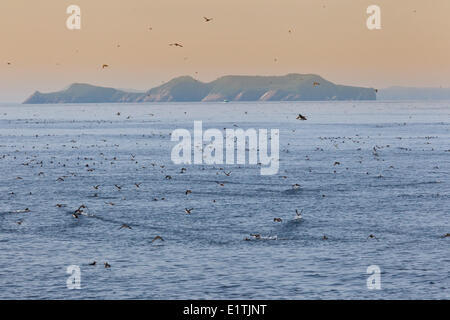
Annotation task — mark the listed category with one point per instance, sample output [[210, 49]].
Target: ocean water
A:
[[400, 193]]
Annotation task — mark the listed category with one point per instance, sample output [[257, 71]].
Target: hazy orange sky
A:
[[328, 37]]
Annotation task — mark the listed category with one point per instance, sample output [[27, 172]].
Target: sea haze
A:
[[374, 167]]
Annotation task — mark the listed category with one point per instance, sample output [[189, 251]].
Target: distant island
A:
[[291, 87], [412, 93]]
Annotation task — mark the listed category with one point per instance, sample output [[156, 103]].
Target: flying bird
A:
[[188, 211], [157, 238], [80, 210], [107, 265], [277, 220], [105, 66], [207, 19], [301, 117], [316, 83], [176, 44], [124, 226]]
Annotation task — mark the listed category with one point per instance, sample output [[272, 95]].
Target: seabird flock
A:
[[81, 210]]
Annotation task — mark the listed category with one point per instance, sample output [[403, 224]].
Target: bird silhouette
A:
[[301, 117], [80, 210], [207, 19], [188, 211], [371, 236], [125, 226], [176, 44], [157, 238], [105, 66]]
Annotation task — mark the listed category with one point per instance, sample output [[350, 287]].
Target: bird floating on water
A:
[[371, 236], [22, 211]]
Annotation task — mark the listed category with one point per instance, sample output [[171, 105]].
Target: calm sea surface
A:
[[380, 168]]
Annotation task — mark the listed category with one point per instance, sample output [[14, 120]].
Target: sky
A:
[[245, 37]]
